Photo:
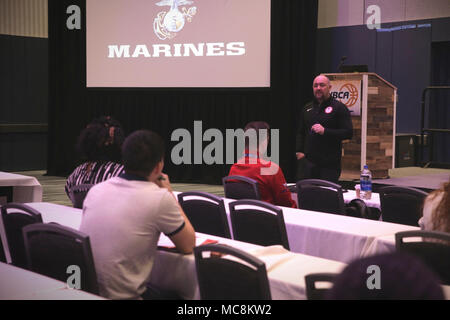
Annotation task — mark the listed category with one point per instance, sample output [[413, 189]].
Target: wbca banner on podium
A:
[[349, 93]]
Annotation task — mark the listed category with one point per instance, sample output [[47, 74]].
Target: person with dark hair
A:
[[125, 215], [324, 124], [391, 276], [272, 186], [436, 210], [99, 146]]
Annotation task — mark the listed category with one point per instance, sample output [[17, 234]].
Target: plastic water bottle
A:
[[366, 183]]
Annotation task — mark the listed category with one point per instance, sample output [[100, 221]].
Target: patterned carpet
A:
[[53, 187]]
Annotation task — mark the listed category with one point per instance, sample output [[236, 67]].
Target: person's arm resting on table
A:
[[184, 239]]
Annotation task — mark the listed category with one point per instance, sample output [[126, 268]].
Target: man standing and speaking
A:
[[323, 125]]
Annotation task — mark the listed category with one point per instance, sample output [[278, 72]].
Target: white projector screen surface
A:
[[178, 43]]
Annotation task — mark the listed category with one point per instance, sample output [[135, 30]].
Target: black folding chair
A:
[[78, 194], [401, 205], [311, 281], [239, 187], [57, 251], [227, 273], [320, 195], [16, 216], [206, 212], [258, 222], [433, 248]]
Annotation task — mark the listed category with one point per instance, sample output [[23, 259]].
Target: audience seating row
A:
[[50, 248], [252, 221], [401, 205]]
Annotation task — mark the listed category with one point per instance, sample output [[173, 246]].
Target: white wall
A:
[[338, 13], [26, 18]]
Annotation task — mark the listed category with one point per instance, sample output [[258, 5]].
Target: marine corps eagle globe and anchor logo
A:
[[167, 24]]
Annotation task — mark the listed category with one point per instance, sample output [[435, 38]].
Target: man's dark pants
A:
[[313, 171]]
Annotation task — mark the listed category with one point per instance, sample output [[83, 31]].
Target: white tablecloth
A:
[[317, 234], [286, 270], [64, 215], [334, 237], [373, 202], [331, 236], [382, 245], [173, 271], [17, 283], [25, 189]]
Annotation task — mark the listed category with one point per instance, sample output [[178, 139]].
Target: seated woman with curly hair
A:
[[99, 145]]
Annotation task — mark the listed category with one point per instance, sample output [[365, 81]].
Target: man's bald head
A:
[[322, 77]]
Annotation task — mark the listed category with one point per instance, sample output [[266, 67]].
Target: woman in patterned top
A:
[[99, 145]]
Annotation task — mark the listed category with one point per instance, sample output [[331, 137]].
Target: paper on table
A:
[[165, 242], [273, 256]]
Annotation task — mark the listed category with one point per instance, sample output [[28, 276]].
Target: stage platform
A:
[[427, 179]]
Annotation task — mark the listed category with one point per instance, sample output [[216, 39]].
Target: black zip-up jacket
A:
[[324, 150]]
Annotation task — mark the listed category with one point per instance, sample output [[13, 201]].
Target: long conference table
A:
[[286, 269], [349, 195], [334, 237], [319, 234], [173, 271], [21, 284]]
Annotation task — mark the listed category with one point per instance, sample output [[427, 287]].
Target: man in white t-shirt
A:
[[125, 215]]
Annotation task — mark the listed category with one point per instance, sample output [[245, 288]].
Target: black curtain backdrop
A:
[[439, 110], [72, 105]]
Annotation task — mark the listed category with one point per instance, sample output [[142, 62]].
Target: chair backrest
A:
[[401, 205], [320, 195], [258, 222], [51, 249], [227, 273], [206, 212], [239, 187], [433, 248], [313, 292], [78, 193], [16, 216]]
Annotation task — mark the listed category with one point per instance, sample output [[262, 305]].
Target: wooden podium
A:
[[373, 141]]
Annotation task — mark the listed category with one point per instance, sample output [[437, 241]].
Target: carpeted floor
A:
[[53, 187]]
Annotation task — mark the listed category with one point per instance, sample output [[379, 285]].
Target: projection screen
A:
[[178, 43]]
